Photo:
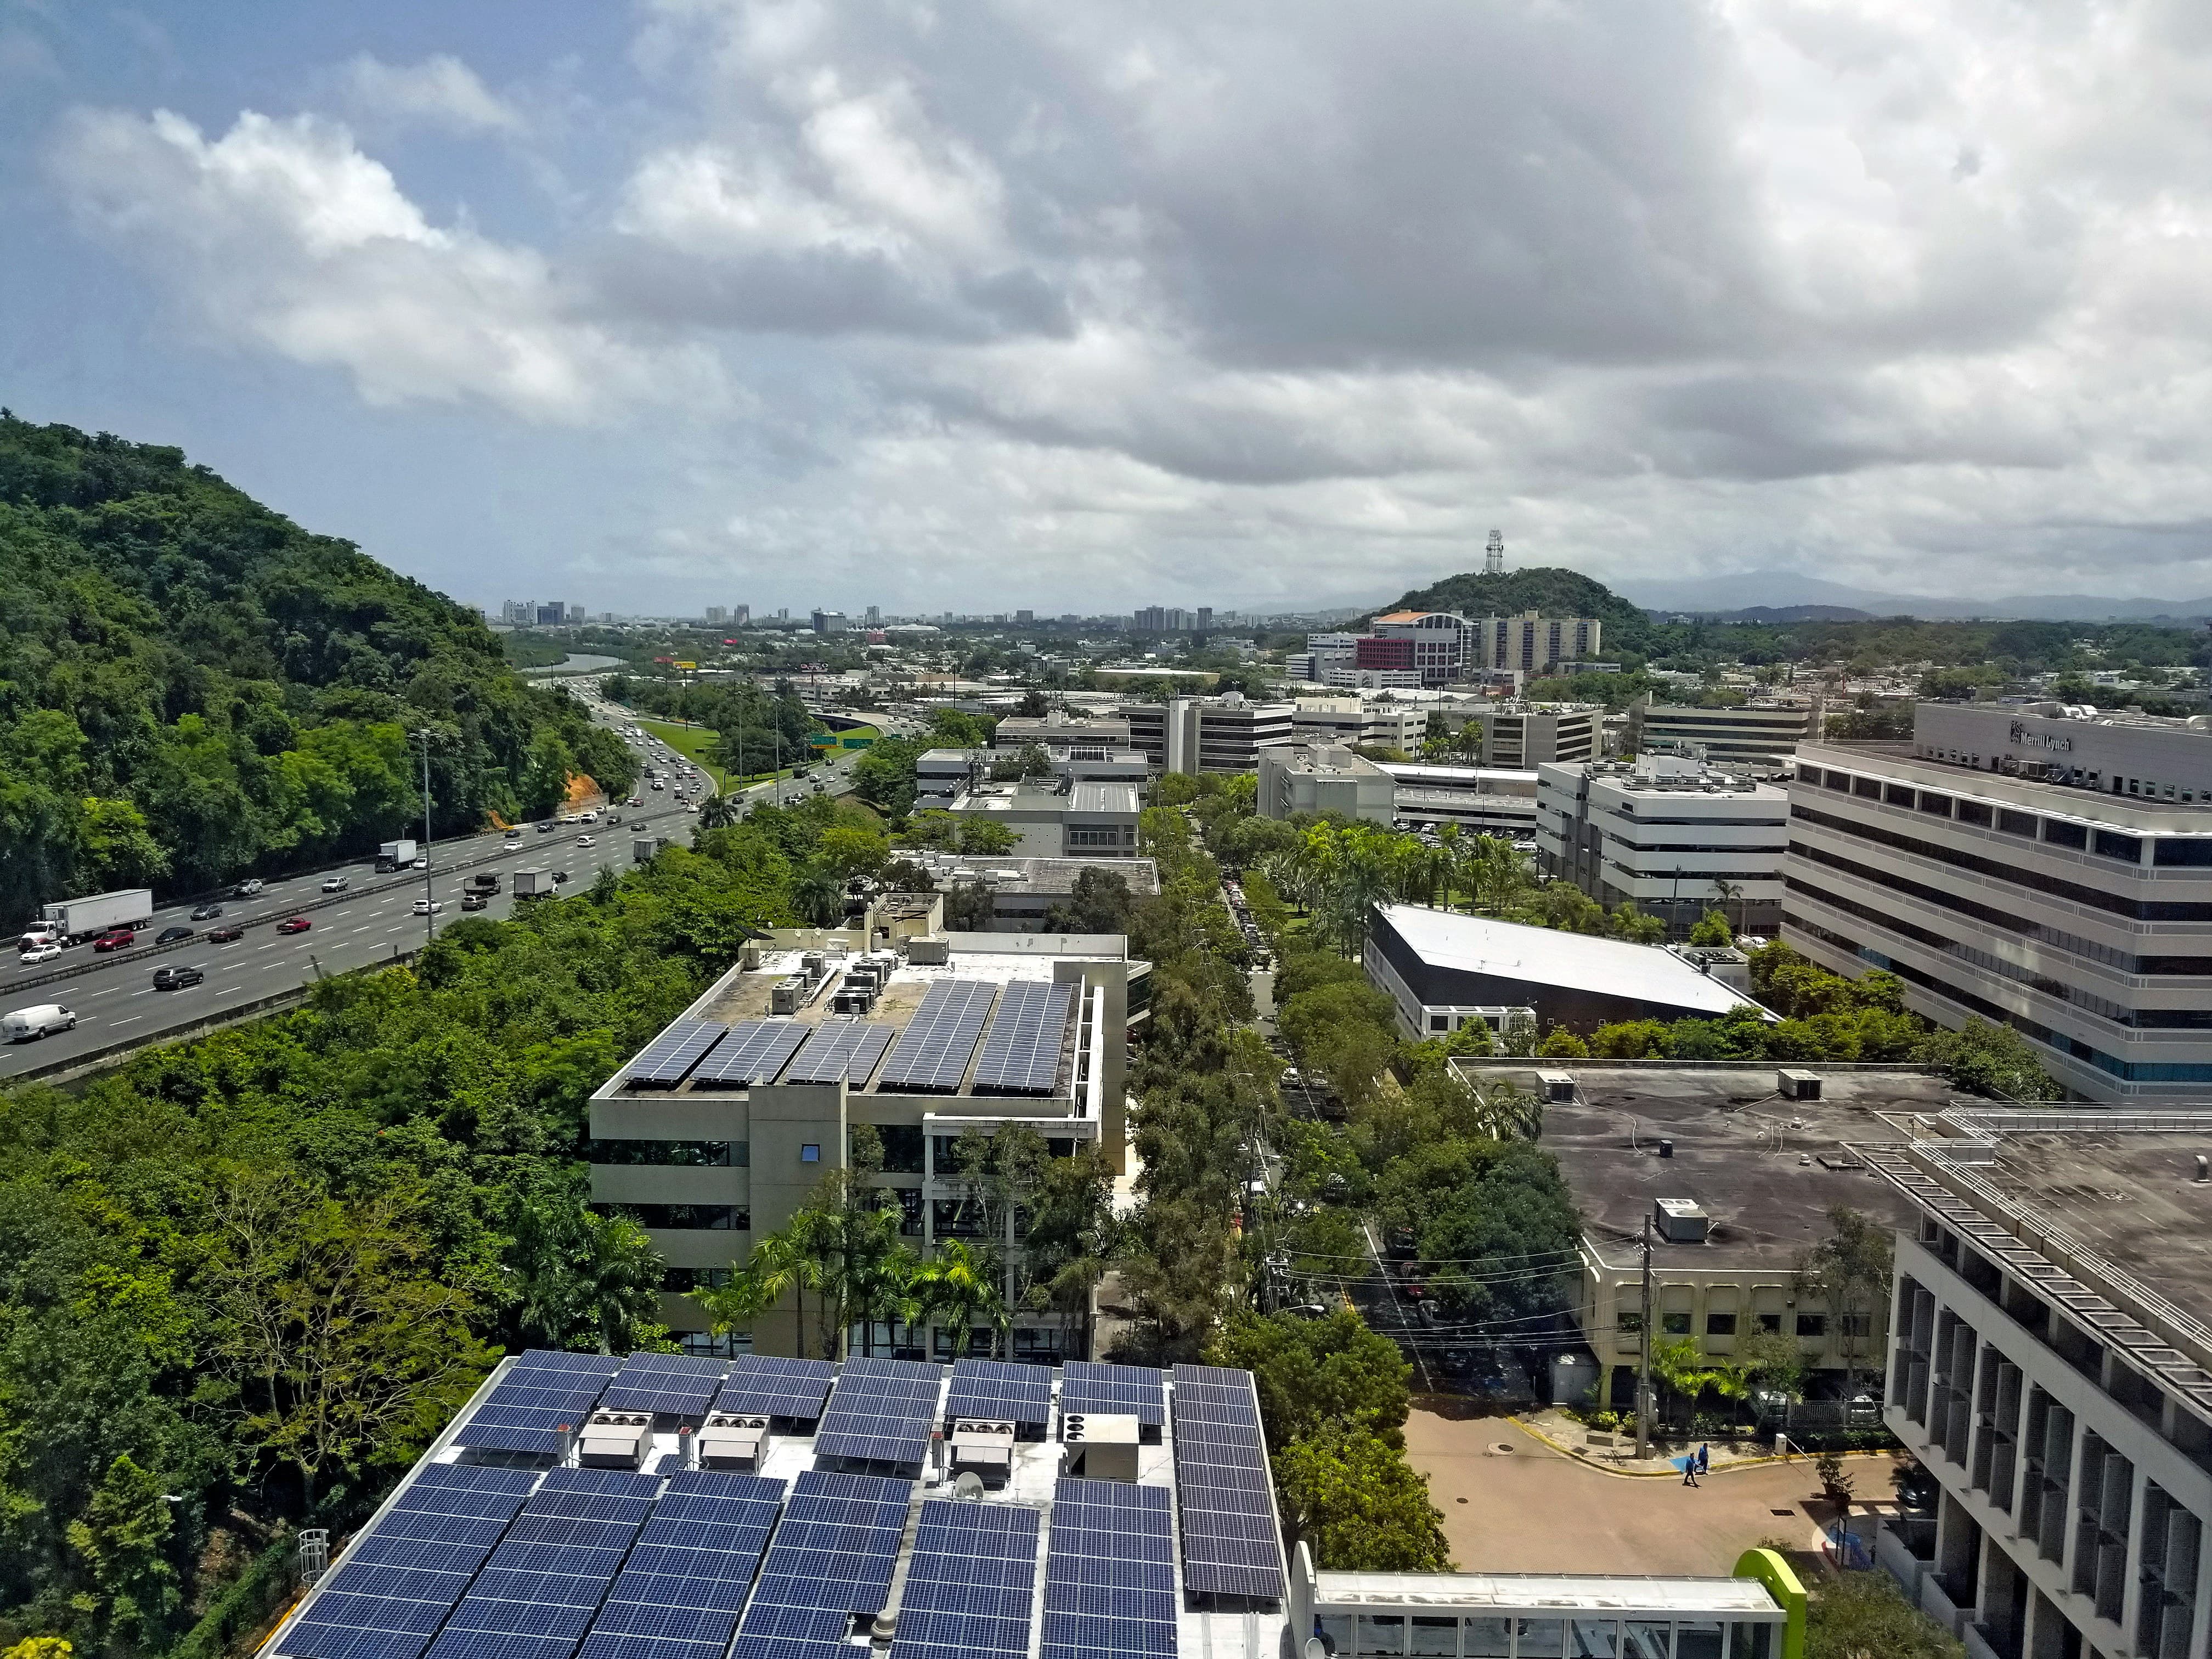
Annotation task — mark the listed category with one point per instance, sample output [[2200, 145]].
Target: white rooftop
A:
[[1534, 1590]]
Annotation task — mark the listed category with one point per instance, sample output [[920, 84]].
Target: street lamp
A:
[[430, 909]]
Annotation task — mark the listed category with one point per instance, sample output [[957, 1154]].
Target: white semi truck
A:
[[83, 918]]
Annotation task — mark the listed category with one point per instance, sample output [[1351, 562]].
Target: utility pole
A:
[[1644, 1356], [430, 910]]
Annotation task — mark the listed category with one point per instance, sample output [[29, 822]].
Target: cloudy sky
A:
[[1084, 305]]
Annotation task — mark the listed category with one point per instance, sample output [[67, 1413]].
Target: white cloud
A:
[[441, 91], [281, 234]]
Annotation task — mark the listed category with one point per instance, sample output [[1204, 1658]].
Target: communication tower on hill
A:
[[1494, 557]]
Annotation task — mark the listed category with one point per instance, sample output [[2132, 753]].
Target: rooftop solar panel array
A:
[[934, 1049], [403, 1575], [880, 1411], [1021, 1051], [969, 1583], [665, 1384], [766, 1386], [1230, 1543], [1130, 1390], [846, 1048], [687, 1576], [832, 1558], [1109, 1580], [999, 1389], [540, 1590], [668, 1059], [754, 1052], [540, 1399]]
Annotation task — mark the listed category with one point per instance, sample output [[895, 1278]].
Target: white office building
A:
[[2029, 866], [1222, 734], [1360, 722], [1754, 732], [1302, 777], [1481, 801]]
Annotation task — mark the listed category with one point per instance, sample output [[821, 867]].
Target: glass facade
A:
[[1547, 1636]]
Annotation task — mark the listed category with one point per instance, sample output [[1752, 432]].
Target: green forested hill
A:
[[1553, 591], [192, 687]]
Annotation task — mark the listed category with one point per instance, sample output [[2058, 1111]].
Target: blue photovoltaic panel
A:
[[934, 1049], [669, 1058], [540, 1397], [537, 1594], [666, 1384], [832, 1558], [1109, 1580], [1230, 1544], [998, 1389], [1128, 1391], [688, 1575], [969, 1583], [846, 1048], [1021, 1051], [765, 1386], [403, 1575], [880, 1411], [754, 1052]]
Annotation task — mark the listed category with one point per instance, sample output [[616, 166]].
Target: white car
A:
[[335, 884], [428, 906], [421, 864], [46, 953], [585, 841]]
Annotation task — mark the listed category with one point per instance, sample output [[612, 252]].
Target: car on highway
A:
[[206, 913], [428, 906], [175, 979], [476, 900], [423, 863], [294, 924], [547, 827], [171, 935], [585, 841], [117, 938], [46, 953], [514, 833], [248, 888], [224, 935], [29, 1024], [635, 800], [335, 884], [560, 876]]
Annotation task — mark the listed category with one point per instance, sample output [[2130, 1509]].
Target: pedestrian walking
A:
[[1690, 1470], [1704, 1460]]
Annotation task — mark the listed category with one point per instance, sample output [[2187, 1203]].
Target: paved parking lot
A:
[[1532, 1510]]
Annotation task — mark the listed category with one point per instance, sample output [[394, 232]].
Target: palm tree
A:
[[1727, 892], [773, 1269], [718, 811], [963, 1281], [818, 896]]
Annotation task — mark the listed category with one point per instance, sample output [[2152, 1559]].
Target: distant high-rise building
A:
[[1150, 620], [829, 622], [1493, 556], [1024, 617], [875, 616], [1205, 619], [548, 615], [521, 613], [577, 613], [783, 613], [741, 616], [716, 614]]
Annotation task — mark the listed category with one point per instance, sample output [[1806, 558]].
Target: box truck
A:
[[74, 919], [395, 855], [532, 884]]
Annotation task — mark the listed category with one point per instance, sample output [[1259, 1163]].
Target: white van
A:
[[25, 1025]]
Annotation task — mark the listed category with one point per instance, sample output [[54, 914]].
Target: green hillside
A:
[[1554, 592], [192, 687]]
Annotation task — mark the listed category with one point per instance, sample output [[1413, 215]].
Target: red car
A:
[[120, 938], [228, 931], [296, 924]]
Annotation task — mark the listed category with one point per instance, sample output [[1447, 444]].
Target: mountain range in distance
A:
[[1783, 596]]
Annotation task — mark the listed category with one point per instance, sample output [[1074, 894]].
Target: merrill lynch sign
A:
[[2027, 739]]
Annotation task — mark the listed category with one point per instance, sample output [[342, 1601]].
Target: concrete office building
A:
[[1303, 777], [1437, 967], [720, 1129], [942, 774], [2050, 1365], [1482, 800], [1024, 890], [1059, 729], [716, 614], [2045, 871], [1746, 734], [1674, 835], [1360, 722], [1222, 734], [1058, 818], [1518, 737], [1736, 1198]]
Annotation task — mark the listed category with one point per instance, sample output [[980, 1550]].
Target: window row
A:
[[1525, 1636]]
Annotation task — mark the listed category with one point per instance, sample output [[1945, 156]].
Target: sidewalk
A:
[[1615, 1453]]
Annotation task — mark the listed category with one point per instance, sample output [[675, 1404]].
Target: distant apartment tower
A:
[[1719, 733], [783, 613], [875, 616], [1162, 619], [518, 612], [830, 621], [1205, 618], [549, 615], [716, 615], [741, 616], [1025, 618], [1532, 643], [576, 611]]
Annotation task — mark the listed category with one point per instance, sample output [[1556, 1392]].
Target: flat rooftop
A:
[[1546, 955], [1765, 1171]]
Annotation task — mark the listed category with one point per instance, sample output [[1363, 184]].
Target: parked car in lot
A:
[[428, 906], [335, 884], [248, 888], [29, 1024], [206, 913], [171, 935], [120, 938], [175, 979], [294, 924], [46, 953], [228, 931]]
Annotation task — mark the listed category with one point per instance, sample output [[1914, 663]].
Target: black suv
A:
[[175, 979], [171, 935]]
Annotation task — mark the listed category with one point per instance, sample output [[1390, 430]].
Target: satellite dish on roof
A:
[[969, 1485]]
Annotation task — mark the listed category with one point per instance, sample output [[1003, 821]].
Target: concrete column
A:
[[2131, 1608], [2075, 1492]]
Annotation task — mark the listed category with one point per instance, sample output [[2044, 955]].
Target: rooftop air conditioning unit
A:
[[1100, 1445], [1797, 1085], [728, 1440], [1555, 1087], [1679, 1220], [983, 1448], [616, 1440]]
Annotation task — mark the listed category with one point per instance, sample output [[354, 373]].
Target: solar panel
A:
[[766, 1386], [687, 1577], [1129, 1390], [398, 1583], [668, 1059], [1230, 1543], [997, 1388], [969, 1583], [1022, 1050], [1109, 1579], [541, 1397], [666, 1384], [934, 1049], [539, 1591], [880, 1411], [754, 1052], [832, 1558], [846, 1048]]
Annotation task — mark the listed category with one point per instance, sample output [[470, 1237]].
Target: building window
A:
[[1858, 1324], [2171, 850], [681, 1279], [1720, 1324], [688, 1218], [810, 1153], [1674, 1324], [1897, 794], [2059, 833], [1629, 1324], [1770, 1323], [1975, 811], [2111, 844], [709, 1154], [1812, 1324], [2016, 824]]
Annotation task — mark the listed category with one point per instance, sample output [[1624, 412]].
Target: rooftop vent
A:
[[1679, 1220]]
